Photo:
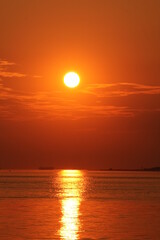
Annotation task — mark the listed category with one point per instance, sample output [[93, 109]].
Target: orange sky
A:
[[112, 118]]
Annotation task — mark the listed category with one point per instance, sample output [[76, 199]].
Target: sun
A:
[[71, 79]]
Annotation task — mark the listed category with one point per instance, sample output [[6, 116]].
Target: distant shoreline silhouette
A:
[[153, 169]]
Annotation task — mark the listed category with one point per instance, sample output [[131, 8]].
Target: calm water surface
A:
[[73, 204]]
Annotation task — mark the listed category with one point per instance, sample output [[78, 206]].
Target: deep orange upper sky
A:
[[112, 119]]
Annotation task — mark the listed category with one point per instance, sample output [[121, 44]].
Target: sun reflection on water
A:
[[72, 186]]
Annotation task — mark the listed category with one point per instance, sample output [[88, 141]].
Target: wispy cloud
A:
[[5, 72], [57, 106], [15, 104], [120, 89], [6, 63]]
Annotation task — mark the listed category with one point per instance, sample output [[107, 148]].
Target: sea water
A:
[[75, 204]]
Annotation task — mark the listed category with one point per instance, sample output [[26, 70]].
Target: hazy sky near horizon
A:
[[112, 120]]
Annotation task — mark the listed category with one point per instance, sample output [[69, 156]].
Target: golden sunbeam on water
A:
[[72, 186]]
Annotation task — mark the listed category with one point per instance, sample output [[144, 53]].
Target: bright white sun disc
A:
[[71, 79]]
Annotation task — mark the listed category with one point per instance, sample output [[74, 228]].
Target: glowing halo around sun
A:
[[71, 79]]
